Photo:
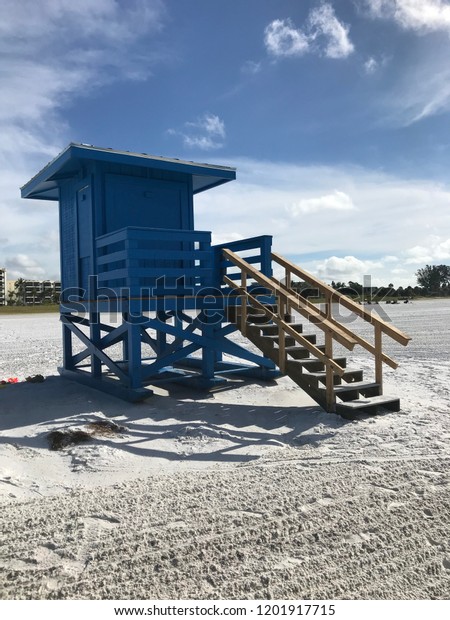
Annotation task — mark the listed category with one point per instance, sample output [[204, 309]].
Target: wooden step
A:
[[372, 405], [269, 329], [351, 391], [297, 352], [289, 341], [258, 319], [312, 338], [272, 329], [313, 365], [298, 327], [350, 376]]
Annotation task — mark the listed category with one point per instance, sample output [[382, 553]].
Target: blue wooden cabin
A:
[[129, 246]]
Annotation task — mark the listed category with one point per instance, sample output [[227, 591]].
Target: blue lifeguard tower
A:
[[146, 298], [129, 247]]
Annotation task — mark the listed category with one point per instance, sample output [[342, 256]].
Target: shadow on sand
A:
[[162, 425]]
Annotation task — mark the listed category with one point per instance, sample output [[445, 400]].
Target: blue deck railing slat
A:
[[112, 258], [157, 255], [169, 255], [245, 244], [110, 238], [135, 257], [153, 234], [173, 272], [114, 274]]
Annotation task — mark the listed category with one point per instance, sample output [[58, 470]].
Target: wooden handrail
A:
[[310, 313], [348, 303], [359, 339]]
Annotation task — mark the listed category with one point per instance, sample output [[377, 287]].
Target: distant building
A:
[[39, 292], [35, 292], [2, 287]]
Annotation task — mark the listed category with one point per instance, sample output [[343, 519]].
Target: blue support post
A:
[[208, 356], [94, 326], [266, 256], [67, 347], [134, 355], [125, 319], [161, 336]]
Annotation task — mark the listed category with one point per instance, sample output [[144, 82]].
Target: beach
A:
[[247, 492]]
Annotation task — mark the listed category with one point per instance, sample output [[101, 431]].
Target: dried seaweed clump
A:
[[58, 440], [105, 427]]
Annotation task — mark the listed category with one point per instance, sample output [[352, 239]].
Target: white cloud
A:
[[423, 91], [283, 39], [323, 34], [419, 15], [206, 133], [337, 201], [204, 143], [423, 88], [232, 236], [434, 249], [323, 23], [390, 259], [442, 250], [371, 65], [23, 266], [84, 19], [20, 103], [418, 254], [212, 124], [438, 89], [346, 268]]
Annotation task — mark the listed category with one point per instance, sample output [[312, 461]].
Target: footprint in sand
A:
[[93, 528]]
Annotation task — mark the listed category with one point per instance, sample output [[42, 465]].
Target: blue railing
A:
[[155, 259], [254, 250], [152, 262]]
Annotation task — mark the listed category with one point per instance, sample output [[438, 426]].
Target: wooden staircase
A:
[[353, 395], [312, 366]]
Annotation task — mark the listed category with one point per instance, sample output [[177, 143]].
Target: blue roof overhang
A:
[[45, 184]]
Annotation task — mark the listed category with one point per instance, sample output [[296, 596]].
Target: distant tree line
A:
[[432, 281]]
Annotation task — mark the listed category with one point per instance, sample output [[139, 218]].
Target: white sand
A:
[[251, 492]]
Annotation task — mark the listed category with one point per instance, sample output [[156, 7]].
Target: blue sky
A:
[[335, 114]]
